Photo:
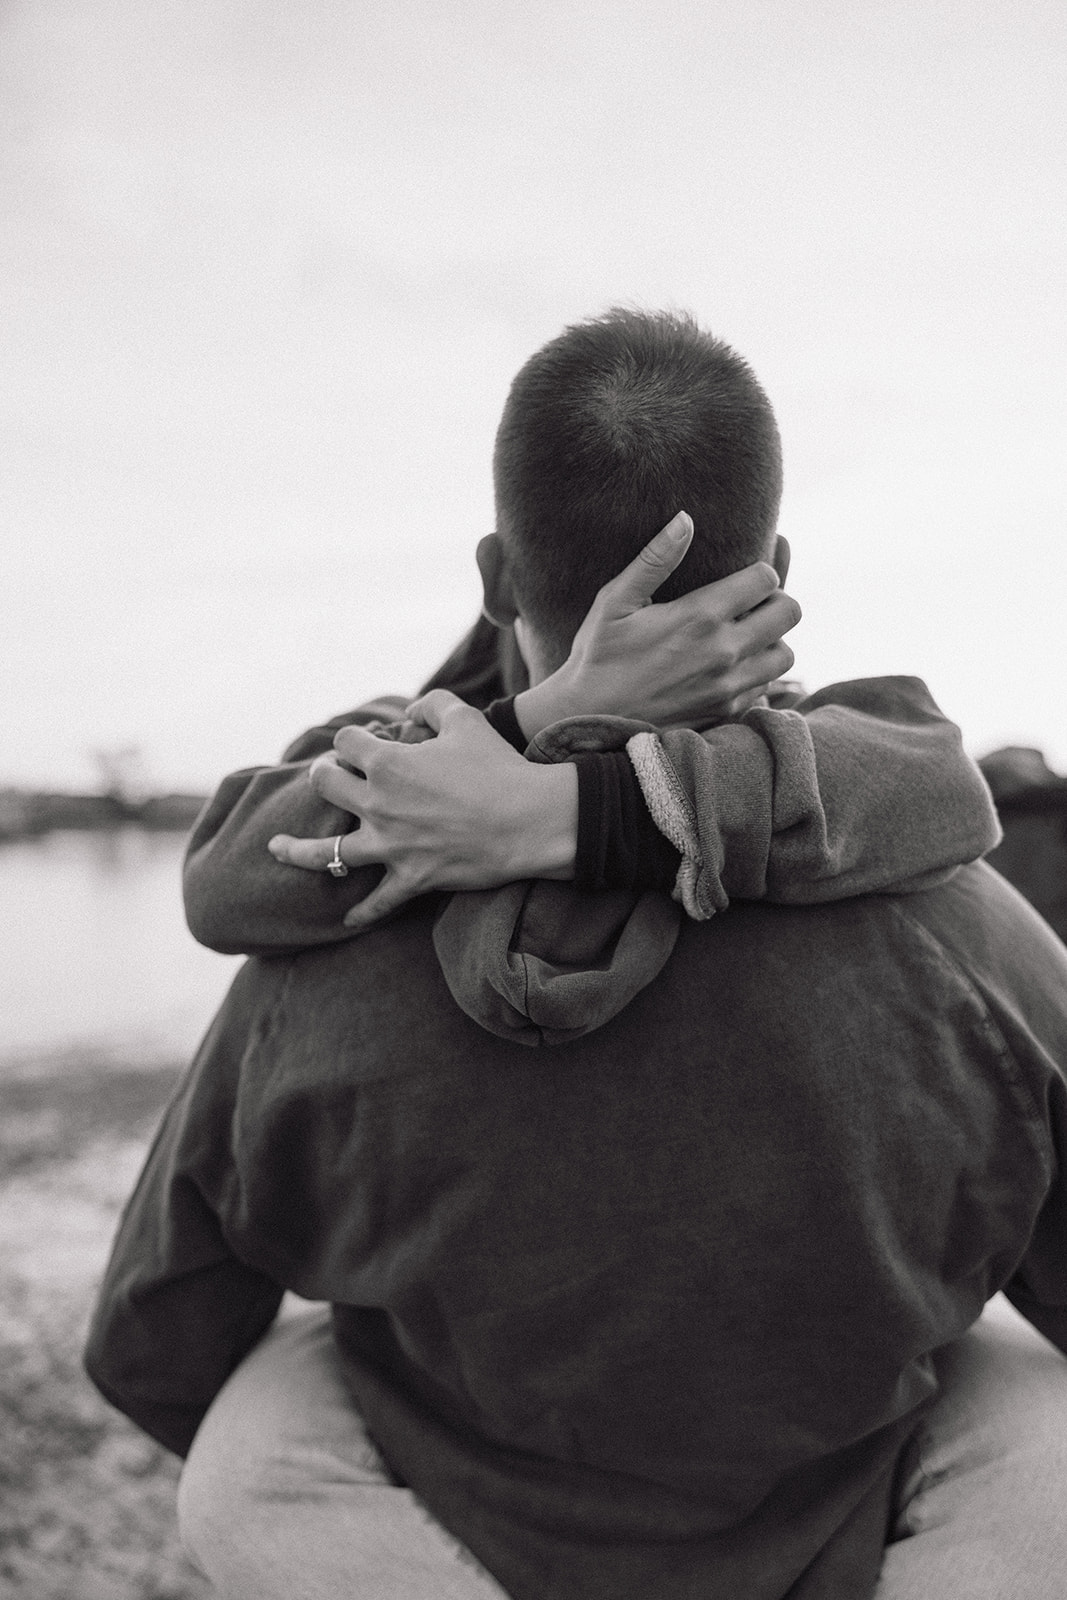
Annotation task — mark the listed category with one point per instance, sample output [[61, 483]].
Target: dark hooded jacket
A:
[[651, 1312]]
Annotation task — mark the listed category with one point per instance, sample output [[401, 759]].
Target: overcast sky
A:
[[267, 269]]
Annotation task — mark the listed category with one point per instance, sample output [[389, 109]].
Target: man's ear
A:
[[498, 603], [780, 559]]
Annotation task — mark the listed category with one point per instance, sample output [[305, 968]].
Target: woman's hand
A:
[[460, 811], [464, 811], [687, 663]]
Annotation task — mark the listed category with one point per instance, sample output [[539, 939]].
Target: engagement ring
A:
[[337, 866]]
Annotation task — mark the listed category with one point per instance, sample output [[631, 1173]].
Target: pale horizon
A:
[[268, 271]]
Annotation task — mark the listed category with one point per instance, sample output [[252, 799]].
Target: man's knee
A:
[[1004, 1391], [206, 1518], [226, 1478], [282, 1441]]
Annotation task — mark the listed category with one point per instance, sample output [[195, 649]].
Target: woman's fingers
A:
[[386, 897], [314, 855], [757, 670], [741, 612], [634, 586], [335, 782], [767, 622], [317, 855], [725, 642], [357, 746], [739, 593], [433, 708]]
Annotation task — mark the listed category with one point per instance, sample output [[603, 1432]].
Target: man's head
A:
[[608, 431]]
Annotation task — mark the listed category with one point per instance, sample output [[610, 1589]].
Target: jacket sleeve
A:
[[238, 899], [1038, 1289], [863, 787], [177, 1310]]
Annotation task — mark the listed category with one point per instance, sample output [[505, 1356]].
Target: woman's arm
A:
[[236, 899], [627, 654], [864, 787]]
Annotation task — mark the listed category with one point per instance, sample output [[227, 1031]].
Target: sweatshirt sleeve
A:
[[177, 1310], [238, 899], [862, 787]]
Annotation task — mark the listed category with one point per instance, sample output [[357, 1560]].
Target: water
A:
[[94, 951]]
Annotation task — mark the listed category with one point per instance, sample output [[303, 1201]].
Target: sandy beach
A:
[[87, 1503]]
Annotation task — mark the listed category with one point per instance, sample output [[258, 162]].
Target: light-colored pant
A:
[[284, 1497]]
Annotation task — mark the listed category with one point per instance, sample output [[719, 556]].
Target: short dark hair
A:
[[608, 431]]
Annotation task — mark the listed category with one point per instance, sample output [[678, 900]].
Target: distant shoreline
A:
[[28, 813]]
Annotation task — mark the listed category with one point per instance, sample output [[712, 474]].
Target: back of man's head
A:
[[608, 431]]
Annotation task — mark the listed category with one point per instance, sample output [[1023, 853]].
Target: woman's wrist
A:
[[545, 703], [542, 839]]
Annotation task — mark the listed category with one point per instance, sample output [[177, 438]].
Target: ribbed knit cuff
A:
[[619, 845], [501, 716]]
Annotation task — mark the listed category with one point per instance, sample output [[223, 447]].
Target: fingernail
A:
[[681, 526], [274, 845]]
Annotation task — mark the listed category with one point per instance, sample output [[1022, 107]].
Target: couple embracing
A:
[[652, 1090]]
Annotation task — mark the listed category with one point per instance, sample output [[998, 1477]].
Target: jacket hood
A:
[[544, 962], [862, 788]]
